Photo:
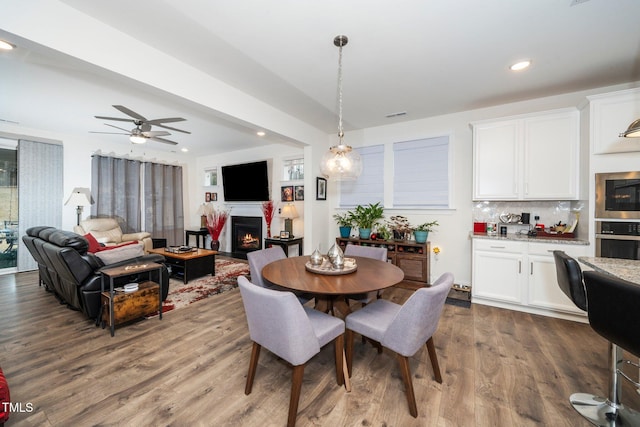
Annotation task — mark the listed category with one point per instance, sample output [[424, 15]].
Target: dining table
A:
[[626, 269], [332, 288]]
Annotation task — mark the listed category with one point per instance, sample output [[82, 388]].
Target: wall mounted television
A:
[[246, 182]]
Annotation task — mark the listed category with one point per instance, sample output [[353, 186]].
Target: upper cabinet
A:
[[611, 114], [533, 157]]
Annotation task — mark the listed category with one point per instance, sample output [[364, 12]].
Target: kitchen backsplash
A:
[[550, 213]]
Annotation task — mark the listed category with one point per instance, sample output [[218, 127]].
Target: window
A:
[[421, 173], [369, 187]]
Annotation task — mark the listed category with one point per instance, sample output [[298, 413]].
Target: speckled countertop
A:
[[516, 237], [626, 269]]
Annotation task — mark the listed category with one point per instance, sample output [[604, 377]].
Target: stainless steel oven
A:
[[618, 239], [618, 195]]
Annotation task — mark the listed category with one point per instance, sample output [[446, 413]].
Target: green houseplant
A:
[[365, 217], [345, 222], [421, 232]]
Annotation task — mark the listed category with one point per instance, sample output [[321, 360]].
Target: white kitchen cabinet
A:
[[533, 157], [522, 276], [497, 270], [611, 114]]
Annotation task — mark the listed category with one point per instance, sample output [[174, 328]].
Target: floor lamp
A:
[[80, 197]]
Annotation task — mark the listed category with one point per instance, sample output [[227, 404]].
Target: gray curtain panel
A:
[[124, 189], [40, 198]]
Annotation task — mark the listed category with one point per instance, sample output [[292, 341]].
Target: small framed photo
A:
[[284, 234], [321, 189], [207, 197], [214, 197], [286, 193], [299, 192]]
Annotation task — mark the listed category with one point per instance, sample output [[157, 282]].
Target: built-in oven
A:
[[618, 239], [618, 195]]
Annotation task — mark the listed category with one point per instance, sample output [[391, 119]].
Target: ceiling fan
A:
[[143, 131]]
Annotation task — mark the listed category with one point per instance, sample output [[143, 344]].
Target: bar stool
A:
[[612, 306]]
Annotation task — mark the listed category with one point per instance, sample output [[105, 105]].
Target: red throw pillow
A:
[[4, 398], [94, 245], [108, 248]]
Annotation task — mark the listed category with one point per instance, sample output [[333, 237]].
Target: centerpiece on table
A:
[[216, 220]]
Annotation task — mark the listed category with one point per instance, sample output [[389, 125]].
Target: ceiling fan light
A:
[[633, 131], [5, 45], [137, 139], [521, 65]]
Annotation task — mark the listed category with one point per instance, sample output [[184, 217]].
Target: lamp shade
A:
[[80, 196], [633, 131], [341, 163], [289, 211]]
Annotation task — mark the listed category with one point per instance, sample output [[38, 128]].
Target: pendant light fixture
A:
[[633, 131], [341, 162]]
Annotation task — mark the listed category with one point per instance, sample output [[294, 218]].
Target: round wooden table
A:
[[330, 290]]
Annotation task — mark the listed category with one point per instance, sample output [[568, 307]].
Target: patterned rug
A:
[[226, 278]]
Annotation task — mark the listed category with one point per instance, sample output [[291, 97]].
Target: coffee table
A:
[[197, 263]]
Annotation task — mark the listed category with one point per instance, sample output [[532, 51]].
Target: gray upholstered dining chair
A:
[[292, 332], [403, 328], [368, 252], [258, 259]]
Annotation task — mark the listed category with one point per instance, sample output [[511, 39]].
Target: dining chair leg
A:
[[408, 384], [349, 350], [296, 386], [339, 356], [253, 364], [434, 360], [345, 373]]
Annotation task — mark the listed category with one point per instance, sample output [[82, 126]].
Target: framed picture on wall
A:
[[214, 197], [207, 197], [286, 193], [321, 189], [299, 192]]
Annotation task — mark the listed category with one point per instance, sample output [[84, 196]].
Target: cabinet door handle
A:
[[519, 267], [531, 273], [497, 247]]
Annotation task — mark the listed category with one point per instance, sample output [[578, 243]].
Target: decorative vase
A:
[[345, 231], [398, 235], [421, 236], [215, 244], [316, 258], [365, 233], [334, 252], [268, 231]]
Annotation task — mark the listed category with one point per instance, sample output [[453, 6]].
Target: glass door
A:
[[9, 238]]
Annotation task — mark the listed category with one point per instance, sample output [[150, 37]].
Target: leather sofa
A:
[[108, 232], [71, 272]]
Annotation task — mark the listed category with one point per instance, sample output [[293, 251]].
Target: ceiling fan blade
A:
[[164, 140], [129, 112], [110, 133], [168, 120], [168, 127], [126, 130], [154, 133], [114, 118]]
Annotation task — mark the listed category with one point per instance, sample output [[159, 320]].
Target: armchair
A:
[[108, 232]]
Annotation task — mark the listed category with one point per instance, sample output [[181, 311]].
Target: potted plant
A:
[[345, 222], [421, 232], [400, 227], [365, 217]]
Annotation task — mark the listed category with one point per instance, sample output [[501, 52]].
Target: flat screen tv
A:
[[247, 182]]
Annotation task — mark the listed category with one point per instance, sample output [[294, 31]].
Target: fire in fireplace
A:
[[246, 235]]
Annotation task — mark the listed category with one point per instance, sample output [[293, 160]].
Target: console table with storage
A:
[[409, 256]]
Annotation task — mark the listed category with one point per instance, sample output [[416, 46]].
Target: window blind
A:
[[369, 187]]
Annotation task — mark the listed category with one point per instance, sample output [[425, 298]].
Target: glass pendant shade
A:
[[341, 163], [633, 131]]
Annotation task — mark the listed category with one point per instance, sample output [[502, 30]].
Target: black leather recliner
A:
[[73, 274]]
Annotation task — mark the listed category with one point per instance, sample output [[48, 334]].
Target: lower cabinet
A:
[[522, 276]]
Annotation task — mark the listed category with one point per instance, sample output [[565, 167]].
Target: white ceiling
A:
[[423, 57]]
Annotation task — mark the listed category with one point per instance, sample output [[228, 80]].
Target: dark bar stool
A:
[[612, 305], [569, 276]]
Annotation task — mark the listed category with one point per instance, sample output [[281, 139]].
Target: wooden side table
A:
[[202, 232], [140, 296], [284, 243]]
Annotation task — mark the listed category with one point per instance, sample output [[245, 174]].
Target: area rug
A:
[[226, 278]]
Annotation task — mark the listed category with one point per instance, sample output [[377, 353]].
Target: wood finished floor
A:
[[500, 368]]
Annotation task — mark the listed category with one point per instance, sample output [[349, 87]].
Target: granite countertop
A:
[[626, 269], [522, 237]]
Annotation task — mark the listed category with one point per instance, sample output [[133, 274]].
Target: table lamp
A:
[[288, 213], [80, 197]]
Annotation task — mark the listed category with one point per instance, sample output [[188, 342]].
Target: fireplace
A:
[[246, 235]]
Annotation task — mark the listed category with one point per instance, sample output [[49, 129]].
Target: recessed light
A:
[[184, 150], [5, 45], [261, 133], [521, 65]]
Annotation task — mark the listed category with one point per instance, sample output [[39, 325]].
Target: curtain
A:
[[126, 189], [164, 216], [40, 175]]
